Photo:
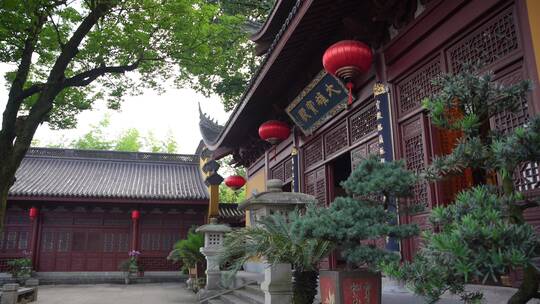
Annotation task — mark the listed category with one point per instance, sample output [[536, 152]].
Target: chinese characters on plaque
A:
[[323, 98]]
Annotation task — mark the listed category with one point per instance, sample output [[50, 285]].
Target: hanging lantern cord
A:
[[350, 86]]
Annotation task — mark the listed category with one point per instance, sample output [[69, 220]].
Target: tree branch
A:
[[85, 78], [58, 35], [7, 132]]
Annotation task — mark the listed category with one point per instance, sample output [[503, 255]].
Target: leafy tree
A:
[[275, 239], [95, 139], [363, 214], [129, 141], [226, 194], [484, 234], [70, 53]]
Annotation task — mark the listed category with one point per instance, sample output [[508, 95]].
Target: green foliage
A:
[[130, 140], [363, 214], [128, 266], [226, 194], [466, 101], [187, 251], [476, 242], [198, 43], [275, 239], [483, 234], [20, 269]]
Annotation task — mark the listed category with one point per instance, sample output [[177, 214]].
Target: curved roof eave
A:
[[277, 11], [289, 26]]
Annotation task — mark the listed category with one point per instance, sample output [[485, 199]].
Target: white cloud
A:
[[174, 111]]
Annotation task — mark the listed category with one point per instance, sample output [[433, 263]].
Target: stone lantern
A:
[[274, 200], [214, 234], [277, 282]]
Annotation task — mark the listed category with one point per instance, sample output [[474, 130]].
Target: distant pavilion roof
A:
[[90, 174]]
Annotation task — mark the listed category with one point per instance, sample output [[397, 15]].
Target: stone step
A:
[[255, 289], [230, 298], [250, 296], [215, 301]]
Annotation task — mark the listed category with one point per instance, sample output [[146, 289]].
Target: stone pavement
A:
[[160, 293]]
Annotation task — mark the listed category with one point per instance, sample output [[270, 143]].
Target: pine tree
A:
[[483, 234], [363, 215]]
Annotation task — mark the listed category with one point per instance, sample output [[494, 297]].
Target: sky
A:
[[173, 112]]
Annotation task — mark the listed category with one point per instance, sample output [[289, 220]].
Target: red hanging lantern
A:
[[235, 182], [33, 213], [135, 215], [347, 59], [274, 131]]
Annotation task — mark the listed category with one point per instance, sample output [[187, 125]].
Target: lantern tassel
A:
[[350, 86]]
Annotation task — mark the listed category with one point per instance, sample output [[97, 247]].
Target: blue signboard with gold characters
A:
[[323, 98]]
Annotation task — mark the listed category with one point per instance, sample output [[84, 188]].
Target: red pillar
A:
[[34, 240], [135, 214]]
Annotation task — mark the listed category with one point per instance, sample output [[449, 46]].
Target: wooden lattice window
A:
[[23, 240], [108, 242], [417, 86], [413, 150], [336, 139], [315, 184], [168, 241], [363, 122], [492, 42], [288, 169], [11, 242], [277, 172], [313, 152], [47, 241], [362, 151], [526, 177]]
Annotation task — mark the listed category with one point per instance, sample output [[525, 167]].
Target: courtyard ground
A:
[[159, 293], [176, 293]]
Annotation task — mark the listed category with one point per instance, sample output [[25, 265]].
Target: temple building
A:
[[80, 210], [412, 41]]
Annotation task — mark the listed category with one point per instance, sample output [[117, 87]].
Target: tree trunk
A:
[[528, 288], [7, 178], [304, 286]]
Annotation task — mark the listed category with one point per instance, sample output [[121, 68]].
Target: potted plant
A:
[[20, 269], [483, 234], [274, 238], [187, 252], [130, 265], [353, 221]]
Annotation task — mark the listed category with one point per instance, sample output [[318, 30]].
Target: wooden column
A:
[[34, 241], [135, 230]]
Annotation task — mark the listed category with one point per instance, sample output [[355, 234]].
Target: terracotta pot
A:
[[348, 287], [506, 280]]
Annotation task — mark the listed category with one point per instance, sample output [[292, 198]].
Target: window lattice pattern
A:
[[492, 42], [363, 122], [287, 169], [527, 177], [508, 121], [23, 240], [277, 172], [417, 86], [414, 158], [336, 139], [316, 185], [313, 152]]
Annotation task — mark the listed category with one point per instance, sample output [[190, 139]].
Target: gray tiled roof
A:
[[67, 173]]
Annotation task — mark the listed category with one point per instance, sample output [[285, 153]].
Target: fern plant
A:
[[275, 240]]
